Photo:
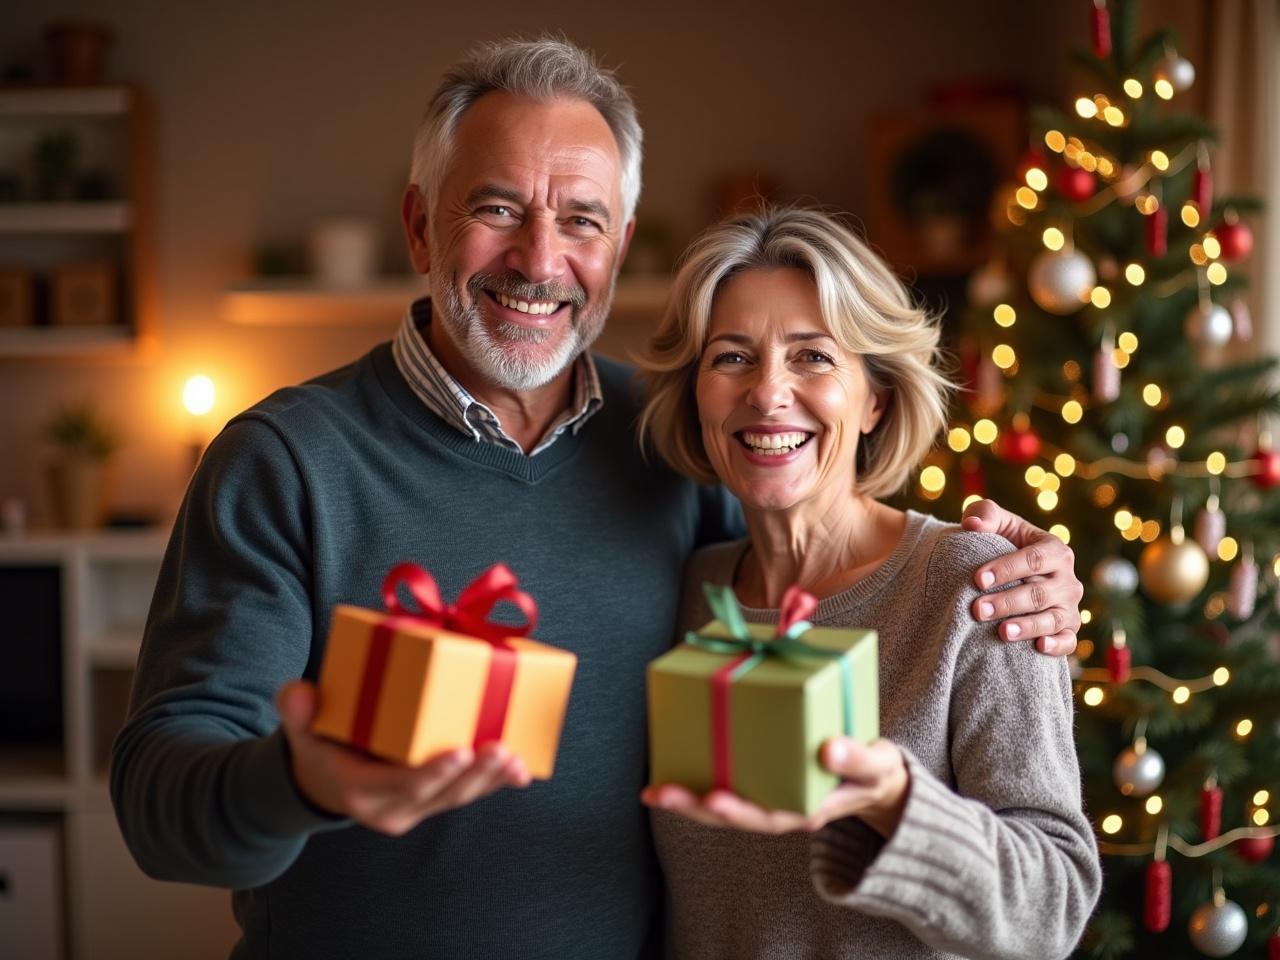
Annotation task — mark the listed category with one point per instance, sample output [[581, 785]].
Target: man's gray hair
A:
[[544, 69]]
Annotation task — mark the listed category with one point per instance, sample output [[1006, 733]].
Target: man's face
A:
[[526, 239]]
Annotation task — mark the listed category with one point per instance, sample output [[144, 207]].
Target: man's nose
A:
[[538, 251]]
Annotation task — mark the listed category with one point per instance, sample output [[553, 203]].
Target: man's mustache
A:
[[515, 286]]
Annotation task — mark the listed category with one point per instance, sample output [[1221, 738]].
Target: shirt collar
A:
[[449, 400]]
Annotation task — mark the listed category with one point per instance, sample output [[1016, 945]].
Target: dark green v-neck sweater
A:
[[305, 501]]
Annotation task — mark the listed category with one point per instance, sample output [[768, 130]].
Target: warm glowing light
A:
[[1026, 198], [1215, 463], [1181, 694], [1152, 395], [1105, 167], [1034, 475], [1104, 495], [1065, 464], [971, 498], [1197, 255], [1261, 817], [198, 395], [1220, 678], [984, 431], [1147, 204], [1128, 342], [1053, 238], [933, 479], [1212, 246], [1100, 297], [1003, 356], [1160, 160], [1072, 412], [1190, 214], [1004, 315], [1071, 370], [1150, 530], [958, 439], [1135, 274], [1261, 797], [1244, 727], [1061, 532], [1015, 214], [1216, 273], [1154, 804], [1088, 162], [1112, 823], [1119, 358], [1051, 482], [1133, 531], [1114, 116], [1122, 519], [1133, 88], [1175, 437], [1214, 606], [1086, 617], [1094, 696], [1163, 89], [1055, 141], [1228, 547], [1036, 179], [1046, 500], [1086, 108]]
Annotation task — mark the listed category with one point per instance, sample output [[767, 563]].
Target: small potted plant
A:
[[84, 441]]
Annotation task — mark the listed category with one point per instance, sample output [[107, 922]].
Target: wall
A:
[[270, 115]]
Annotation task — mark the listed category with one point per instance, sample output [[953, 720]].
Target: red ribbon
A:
[[468, 616]]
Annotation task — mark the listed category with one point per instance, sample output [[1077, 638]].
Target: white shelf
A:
[[66, 341], [64, 218], [301, 302], [64, 101]]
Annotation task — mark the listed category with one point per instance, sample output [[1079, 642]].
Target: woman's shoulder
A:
[[951, 555]]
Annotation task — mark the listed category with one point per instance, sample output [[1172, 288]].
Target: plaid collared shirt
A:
[[448, 400]]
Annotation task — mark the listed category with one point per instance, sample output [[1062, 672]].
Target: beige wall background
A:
[[270, 116]]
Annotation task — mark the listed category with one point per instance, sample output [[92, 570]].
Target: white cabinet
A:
[[31, 892], [103, 906]]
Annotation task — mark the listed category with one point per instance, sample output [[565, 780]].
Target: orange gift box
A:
[[407, 685]]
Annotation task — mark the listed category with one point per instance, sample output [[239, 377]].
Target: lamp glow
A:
[[198, 395]]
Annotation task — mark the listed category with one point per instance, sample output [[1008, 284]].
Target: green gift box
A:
[[745, 707]]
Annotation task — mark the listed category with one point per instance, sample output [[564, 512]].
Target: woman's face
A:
[[782, 404]]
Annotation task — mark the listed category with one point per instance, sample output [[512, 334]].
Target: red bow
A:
[[476, 601]]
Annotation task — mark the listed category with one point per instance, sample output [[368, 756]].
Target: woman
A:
[[793, 368]]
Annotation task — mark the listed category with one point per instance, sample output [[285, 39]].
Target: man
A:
[[483, 433]]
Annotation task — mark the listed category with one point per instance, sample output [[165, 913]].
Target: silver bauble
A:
[[1106, 377], [1211, 527], [1060, 281], [1209, 326], [1138, 772], [1115, 575], [1119, 442], [1242, 319], [1242, 589], [1179, 71], [989, 284], [1218, 930]]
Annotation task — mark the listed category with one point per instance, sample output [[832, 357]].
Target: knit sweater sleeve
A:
[[1003, 863], [199, 775]]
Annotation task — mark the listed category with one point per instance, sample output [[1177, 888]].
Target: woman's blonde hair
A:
[[865, 306]]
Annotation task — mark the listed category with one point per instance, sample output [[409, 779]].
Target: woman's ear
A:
[[875, 410]]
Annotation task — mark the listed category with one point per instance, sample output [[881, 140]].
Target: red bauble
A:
[[1254, 849], [1074, 184], [1202, 192], [1158, 232], [1100, 31], [972, 483], [1268, 464], [1210, 812], [1019, 446], [1273, 947], [1157, 905], [1118, 663], [1236, 240]]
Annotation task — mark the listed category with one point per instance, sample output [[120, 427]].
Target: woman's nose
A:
[[771, 390]]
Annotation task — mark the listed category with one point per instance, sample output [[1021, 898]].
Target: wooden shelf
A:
[[33, 778], [301, 302], [64, 101], [67, 341], [64, 218]]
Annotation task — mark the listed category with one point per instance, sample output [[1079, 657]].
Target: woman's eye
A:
[[815, 356], [728, 358]]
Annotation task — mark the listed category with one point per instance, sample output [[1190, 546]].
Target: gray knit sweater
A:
[[993, 857]]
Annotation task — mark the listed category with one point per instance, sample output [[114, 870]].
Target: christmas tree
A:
[[1108, 398]]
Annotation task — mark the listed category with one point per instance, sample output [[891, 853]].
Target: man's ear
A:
[[627, 233], [415, 218]]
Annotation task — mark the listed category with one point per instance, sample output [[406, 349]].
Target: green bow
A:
[[788, 645]]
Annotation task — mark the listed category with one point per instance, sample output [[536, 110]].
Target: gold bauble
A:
[[1173, 569]]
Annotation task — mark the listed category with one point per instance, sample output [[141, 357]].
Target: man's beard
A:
[[508, 356]]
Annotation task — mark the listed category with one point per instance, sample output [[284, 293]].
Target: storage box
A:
[[84, 295], [31, 892], [407, 690], [761, 740]]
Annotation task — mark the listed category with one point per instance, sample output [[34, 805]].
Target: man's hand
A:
[[874, 789], [383, 796], [1046, 607]]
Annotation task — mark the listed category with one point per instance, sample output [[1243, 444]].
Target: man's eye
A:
[[496, 210], [583, 223]]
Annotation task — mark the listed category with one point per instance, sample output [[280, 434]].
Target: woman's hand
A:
[[875, 790], [1046, 606]]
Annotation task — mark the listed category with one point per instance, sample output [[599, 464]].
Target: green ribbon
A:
[[788, 645]]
